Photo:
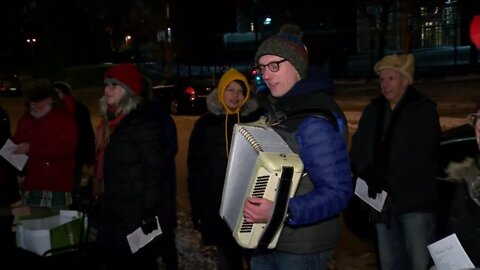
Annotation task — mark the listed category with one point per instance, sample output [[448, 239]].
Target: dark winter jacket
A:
[[9, 190], [399, 157], [170, 149], [464, 210], [326, 188], [133, 177], [207, 164]]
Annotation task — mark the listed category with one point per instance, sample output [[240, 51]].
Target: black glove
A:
[[372, 192], [372, 177], [149, 222]]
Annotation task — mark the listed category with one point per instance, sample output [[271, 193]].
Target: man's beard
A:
[[38, 114]]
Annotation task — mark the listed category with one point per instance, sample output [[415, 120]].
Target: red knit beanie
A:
[[126, 75]]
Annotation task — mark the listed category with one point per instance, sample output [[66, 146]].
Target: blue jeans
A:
[[403, 243], [278, 260]]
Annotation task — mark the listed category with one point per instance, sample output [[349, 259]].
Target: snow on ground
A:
[[455, 97], [192, 254], [445, 121]]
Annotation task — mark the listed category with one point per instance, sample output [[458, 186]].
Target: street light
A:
[[128, 39], [31, 42]]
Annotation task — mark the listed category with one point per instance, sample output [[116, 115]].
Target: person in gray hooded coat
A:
[[463, 211]]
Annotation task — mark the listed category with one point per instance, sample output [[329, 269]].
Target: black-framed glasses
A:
[[273, 66], [473, 118]]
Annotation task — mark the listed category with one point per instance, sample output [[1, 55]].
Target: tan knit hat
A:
[[403, 63]]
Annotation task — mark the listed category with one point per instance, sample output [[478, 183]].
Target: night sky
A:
[[75, 32]]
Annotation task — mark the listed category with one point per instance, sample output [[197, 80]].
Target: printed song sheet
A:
[[17, 160], [138, 239], [448, 254], [361, 190]]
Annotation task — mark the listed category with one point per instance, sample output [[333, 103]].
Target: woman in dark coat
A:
[[207, 162], [130, 165]]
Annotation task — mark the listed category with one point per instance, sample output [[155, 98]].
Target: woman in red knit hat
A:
[[129, 164]]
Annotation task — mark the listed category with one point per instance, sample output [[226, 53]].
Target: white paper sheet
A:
[[17, 160], [361, 190], [137, 239], [448, 254]]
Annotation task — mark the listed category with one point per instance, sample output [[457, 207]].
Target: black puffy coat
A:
[[133, 176]]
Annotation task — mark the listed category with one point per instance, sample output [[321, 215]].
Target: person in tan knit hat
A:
[[393, 150], [396, 74], [404, 64]]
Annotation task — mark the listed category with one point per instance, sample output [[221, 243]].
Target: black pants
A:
[[168, 250]]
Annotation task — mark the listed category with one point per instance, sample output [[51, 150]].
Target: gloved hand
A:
[[149, 222], [372, 192], [372, 177]]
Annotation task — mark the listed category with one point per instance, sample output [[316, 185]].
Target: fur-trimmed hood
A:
[[466, 171], [462, 171], [215, 107]]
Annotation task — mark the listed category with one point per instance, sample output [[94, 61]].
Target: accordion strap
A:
[[280, 207]]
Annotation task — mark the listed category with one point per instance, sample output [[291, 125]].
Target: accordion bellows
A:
[[261, 165]]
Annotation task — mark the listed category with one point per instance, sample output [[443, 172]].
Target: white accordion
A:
[[260, 164]]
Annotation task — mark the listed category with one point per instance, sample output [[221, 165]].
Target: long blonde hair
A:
[[128, 102]]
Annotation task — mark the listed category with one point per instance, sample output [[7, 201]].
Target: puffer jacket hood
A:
[[463, 170]]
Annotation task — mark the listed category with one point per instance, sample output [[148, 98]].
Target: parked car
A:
[[258, 85], [10, 85], [184, 95], [456, 144]]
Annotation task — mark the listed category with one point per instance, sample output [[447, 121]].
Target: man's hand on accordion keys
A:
[[257, 210]]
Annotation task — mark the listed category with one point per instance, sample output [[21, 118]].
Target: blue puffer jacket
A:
[[326, 188], [325, 156]]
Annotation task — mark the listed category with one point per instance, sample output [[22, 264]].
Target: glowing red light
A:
[[189, 91], [475, 31]]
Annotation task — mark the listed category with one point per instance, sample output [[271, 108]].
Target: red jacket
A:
[[53, 142]]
